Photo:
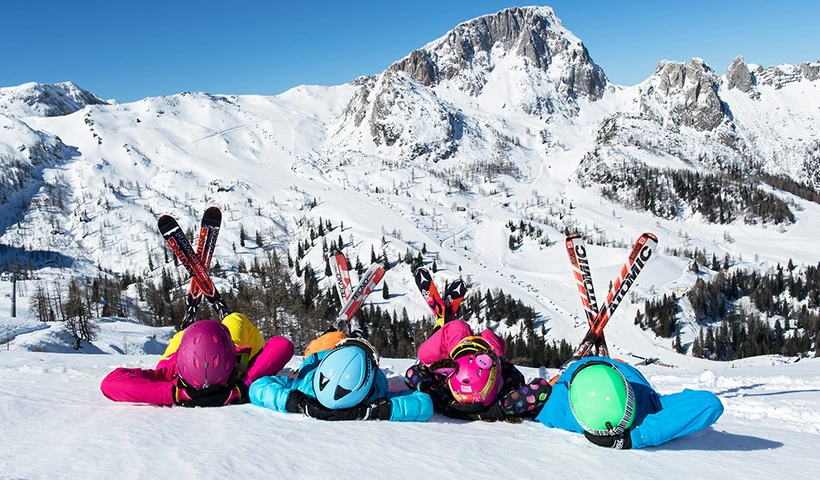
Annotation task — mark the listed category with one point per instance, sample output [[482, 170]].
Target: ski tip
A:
[[164, 222], [422, 271], [213, 215]]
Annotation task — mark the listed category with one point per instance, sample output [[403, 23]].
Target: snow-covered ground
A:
[[56, 424]]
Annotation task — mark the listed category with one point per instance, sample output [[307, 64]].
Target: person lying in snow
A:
[[469, 378], [208, 364], [340, 379], [614, 406]]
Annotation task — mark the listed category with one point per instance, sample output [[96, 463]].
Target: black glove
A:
[[213, 396], [475, 411], [618, 442], [299, 402], [380, 409]]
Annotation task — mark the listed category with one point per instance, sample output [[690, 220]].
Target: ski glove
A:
[[476, 411], [299, 402], [213, 396], [618, 442], [380, 409]]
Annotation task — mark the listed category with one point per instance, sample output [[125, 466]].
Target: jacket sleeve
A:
[[138, 386], [271, 392], [272, 358], [440, 343], [410, 406], [682, 413]]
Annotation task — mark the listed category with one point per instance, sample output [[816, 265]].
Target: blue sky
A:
[[128, 50]]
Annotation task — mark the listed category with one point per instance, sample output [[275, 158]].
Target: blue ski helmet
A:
[[345, 377]]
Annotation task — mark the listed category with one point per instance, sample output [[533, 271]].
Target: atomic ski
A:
[[640, 254], [208, 234], [425, 284], [577, 252], [179, 244], [370, 279]]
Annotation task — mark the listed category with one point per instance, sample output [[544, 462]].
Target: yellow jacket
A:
[[243, 333]]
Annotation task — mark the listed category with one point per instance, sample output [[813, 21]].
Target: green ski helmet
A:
[[601, 399]]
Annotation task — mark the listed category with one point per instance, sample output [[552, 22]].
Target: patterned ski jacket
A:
[[658, 418], [157, 386], [272, 392]]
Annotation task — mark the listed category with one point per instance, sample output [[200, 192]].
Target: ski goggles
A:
[[484, 361]]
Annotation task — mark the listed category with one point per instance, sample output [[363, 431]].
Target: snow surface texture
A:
[[57, 424]]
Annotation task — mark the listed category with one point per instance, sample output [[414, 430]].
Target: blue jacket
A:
[[658, 418], [272, 392]]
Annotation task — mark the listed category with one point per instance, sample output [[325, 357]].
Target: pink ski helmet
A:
[[477, 377], [206, 354]]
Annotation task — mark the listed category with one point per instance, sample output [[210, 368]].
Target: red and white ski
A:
[[369, 281], [341, 276]]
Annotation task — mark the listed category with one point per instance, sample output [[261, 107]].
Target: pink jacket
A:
[[439, 345], [157, 386]]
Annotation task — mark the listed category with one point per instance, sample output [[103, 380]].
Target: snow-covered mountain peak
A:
[[45, 100], [534, 35]]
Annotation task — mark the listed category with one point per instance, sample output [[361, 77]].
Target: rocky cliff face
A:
[[469, 52], [741, 77], [738, 76], [684, 95]]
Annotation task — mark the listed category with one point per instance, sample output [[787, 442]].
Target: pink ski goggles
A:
[[483, 361]]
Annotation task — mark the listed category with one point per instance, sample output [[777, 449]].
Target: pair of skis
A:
[[352, 298], [196, 262], [597, 318], [443, 308]]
